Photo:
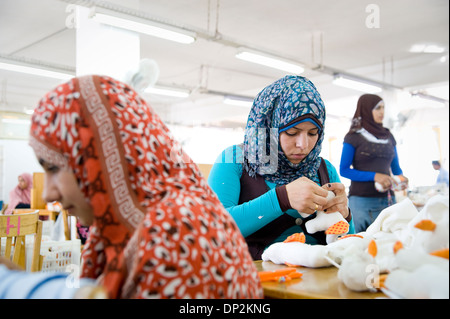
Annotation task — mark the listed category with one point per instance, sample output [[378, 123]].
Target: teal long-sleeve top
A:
[[224, 179]]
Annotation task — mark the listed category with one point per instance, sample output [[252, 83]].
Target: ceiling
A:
[[323, 35]]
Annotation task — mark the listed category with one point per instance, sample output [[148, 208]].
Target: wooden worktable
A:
[[316, 283]]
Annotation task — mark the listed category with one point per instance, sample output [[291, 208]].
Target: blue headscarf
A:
[[284, 103]]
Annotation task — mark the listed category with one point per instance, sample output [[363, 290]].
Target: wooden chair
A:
[[42, 212], [14, 228], [51, 214], [65, 217], [5, 206], [37, 201]]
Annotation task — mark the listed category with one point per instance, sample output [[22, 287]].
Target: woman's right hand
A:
[[306, 196], [9, 264], [384, 180]]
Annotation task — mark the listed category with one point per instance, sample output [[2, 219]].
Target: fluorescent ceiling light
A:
[[427, 97], [270, 61], [35, 71], [354, 84], [440, 91], [167, 92], [426, 48], [16, 121], [238, 100], [139, 25]]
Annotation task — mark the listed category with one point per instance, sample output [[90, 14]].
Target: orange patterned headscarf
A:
[[159, 231]]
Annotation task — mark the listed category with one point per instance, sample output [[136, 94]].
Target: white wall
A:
[[16, 157], [204, 144]]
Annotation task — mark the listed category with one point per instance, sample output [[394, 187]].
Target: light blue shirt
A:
[[38, 285], [442, 177]]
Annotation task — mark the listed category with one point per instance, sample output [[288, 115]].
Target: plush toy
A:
[[419, 275], [296, 254], [405, 253], [294, 251], [356, 271], [421, 268], [333, 223], [400, 183], [429, 230]]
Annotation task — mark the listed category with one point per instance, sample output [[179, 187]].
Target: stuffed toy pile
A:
[[404, 252]]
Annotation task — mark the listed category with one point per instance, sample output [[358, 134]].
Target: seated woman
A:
[[157, 229], [265, 182], [20, 196]]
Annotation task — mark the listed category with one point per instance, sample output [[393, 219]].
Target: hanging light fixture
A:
[[141, 25], [35, 70], [362, 85], [238, 100], [168, 91], [269, 61]]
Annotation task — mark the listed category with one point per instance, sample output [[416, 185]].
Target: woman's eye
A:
[[293, 133], [52, 169], [49, 168]]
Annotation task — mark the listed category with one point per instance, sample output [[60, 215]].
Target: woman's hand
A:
[[306, 196], [404, 181], [9, 264], [340, 202], [386, 181]]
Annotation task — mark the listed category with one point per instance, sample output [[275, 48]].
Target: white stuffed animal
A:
[[334, 224], [408, 249], [296, 253]]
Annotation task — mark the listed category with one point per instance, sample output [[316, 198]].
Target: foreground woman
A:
[[158, 231]]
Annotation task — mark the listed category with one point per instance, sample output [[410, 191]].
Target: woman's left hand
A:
[[404, 182], [340, 202]]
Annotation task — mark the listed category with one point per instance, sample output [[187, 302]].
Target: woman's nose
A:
[[301, 141], [50, 192]]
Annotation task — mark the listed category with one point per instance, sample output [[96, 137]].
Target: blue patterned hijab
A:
[[285, 102]]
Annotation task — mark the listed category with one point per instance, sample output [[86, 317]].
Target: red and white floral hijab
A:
[[159, 231]]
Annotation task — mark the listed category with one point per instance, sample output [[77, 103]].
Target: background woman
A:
[[20, 196], [369, 155], [277, 172]]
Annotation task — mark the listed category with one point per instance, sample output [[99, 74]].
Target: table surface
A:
[[315, 283]]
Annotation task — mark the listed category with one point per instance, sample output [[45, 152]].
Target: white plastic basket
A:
[[58, 255], [2, 246]]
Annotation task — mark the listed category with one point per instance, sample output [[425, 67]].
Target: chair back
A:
[[4, 207], [13, 232], [51, 216], [37, 201]]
